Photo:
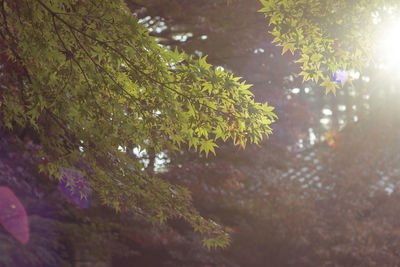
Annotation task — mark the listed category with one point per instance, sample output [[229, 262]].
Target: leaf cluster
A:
[[95, 84], [327, 34]]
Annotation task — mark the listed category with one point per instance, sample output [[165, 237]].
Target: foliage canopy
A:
[[92, 83], [328, 34]]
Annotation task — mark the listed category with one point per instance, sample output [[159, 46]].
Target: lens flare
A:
[[13, 216], [340, 77], [75, 188]]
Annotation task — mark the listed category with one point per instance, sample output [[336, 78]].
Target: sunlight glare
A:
[[389, 45]]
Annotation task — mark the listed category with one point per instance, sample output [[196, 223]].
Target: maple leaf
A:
[[329, 85]]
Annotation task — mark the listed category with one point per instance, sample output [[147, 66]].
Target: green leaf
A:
[[207, 146]]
